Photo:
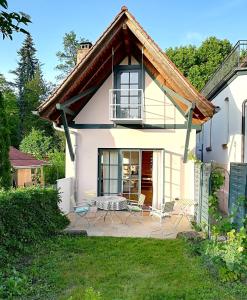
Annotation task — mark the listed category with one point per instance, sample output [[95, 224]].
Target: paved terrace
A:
[[121, 224]]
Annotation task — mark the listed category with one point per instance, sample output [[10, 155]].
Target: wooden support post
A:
[[187, 140], [67, 135]]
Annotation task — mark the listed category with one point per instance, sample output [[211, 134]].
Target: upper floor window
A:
[[126, 97]]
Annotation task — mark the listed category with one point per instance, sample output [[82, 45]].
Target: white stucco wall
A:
[[158, 108], [178, 177], [236, 92]]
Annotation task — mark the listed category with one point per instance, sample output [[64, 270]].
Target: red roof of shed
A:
[[20, 159]]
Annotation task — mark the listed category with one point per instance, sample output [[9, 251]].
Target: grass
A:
[[119, 268]]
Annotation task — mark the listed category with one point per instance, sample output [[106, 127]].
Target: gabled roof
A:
[[123, 37], [20, 159]]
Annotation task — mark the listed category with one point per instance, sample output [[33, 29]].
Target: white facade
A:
[[171, 178], [221, 137]]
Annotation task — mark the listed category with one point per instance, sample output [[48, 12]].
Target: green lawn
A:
[[119, 268]]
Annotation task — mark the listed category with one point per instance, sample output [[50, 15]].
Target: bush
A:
[[56, 168], [28, 216]]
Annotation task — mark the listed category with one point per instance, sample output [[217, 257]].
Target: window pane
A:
[[134, 86], [135, 101], [133, 113], [134, 77], [134, 93], [105, 155], [124, 90], [126, 157], [134, 169], [126, 186], [114, 172], [105, 172], [113, 186], [105, 186], [134, 186], [126, 171], [135, 157], [124, 100], [124, 77], [114, 157]]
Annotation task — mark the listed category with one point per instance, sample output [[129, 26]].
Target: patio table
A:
[[111, 204]]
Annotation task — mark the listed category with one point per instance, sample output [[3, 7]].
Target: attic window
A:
[[127, 95]]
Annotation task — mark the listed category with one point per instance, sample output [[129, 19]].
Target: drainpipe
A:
[[243, 131], [61, 129]]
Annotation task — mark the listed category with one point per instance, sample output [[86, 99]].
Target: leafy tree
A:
[[199, 63], [56, 168], [33, 94], [5, 167], [67, 57], [11, 109], [11, 22], [37, 144], [25, 72]]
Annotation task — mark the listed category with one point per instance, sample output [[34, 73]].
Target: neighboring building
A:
[[26, 169], [223, 138], [130, 118]]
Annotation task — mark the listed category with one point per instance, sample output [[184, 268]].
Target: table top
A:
[[111, 202]]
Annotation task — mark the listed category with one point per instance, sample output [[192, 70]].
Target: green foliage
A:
[[228, 256], [5, 167], [25, 72], [56, 168], [37, 144], [12, 284], [33, 93], [26, 217], [65, 267], [11, 22], [67, 57], [199, 63], [225, 252], [11, 109]]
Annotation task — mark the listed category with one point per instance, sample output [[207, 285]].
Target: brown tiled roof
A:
[[20, 159]]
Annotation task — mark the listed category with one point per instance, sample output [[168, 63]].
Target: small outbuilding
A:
[[26, 169]]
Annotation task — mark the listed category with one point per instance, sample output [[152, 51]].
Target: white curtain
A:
[[157, 179]]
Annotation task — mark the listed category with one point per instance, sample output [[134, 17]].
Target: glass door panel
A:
[[109, 172], [131, 174]]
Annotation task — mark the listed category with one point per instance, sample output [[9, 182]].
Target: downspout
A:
[[243, 130], [61, 129]]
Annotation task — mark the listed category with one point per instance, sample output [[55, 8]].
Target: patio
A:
[[114, 225]]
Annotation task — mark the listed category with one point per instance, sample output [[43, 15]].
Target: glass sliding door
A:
[[131, 174], [109, 172]]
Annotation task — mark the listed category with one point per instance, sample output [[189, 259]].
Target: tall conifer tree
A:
[[27, 66], [5, 167]]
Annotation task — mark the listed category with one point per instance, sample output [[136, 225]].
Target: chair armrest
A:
[[154, 209], [132, 202]]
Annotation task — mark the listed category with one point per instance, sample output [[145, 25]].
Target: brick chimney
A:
[[83, 50]]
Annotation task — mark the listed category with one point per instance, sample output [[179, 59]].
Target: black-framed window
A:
[[109, 172], [128, 85]]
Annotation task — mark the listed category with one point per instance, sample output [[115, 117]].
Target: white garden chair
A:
[[135, 208]]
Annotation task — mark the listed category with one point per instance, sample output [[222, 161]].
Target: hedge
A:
[[28, 216]]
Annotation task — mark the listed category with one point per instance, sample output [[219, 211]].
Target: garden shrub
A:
[[28, 216], [56, 168], [225, 251]]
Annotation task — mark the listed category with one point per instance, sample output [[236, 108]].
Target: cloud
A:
[[194, 36]]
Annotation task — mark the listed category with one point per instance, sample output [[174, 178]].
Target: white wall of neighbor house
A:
[[226, 139]]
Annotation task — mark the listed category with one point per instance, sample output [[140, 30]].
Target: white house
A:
[[130, 118], [223, 138]]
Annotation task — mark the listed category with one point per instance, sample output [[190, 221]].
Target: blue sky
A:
[[170, 23]]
